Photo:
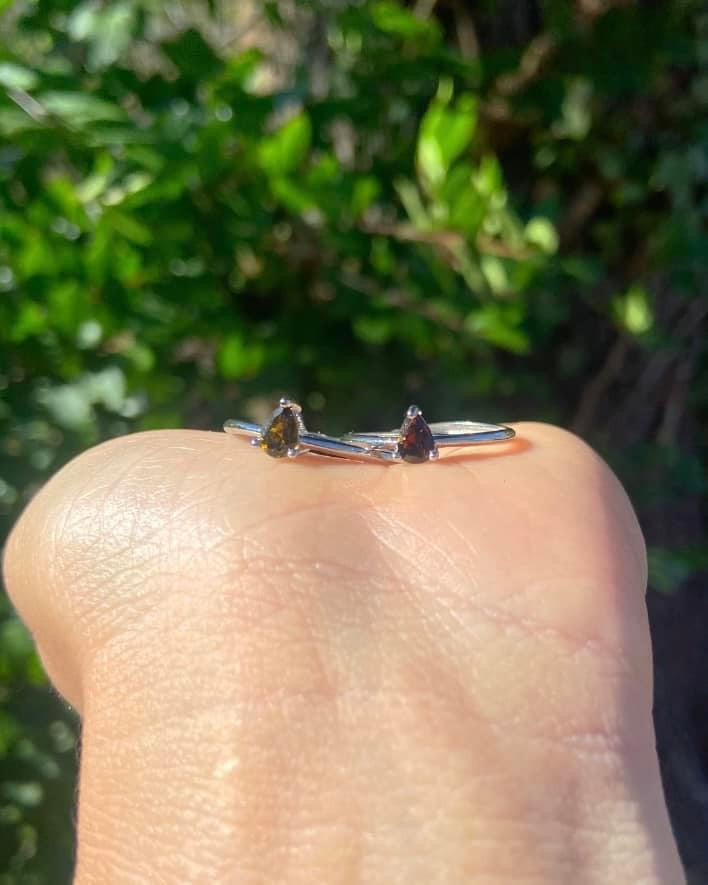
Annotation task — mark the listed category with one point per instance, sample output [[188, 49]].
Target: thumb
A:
[[336, 672]]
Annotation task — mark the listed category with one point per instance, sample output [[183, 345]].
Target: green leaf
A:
[[238, 358], [365, 191], [489, 178], [29, 794], [115, 35], [495, 273], [466, 208], [445, 132], [131, 184], [293, 195], [14, 76], [286, 149], [394, 19], [373, 329], [80, 108], [83, 22], [633, 310], [15, 640], [30, 321], [576, 111], [413, 203], [130, 227], [241, 68], [541, 232], [108, 30], [14, 121], [68, 405], [92, 187], [499, 324], [667, 569]]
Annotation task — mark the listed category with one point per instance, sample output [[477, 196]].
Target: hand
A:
[[333, 672]]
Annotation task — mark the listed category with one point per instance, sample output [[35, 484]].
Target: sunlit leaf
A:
[[488, 177], [364, 193], [499, 325], [541, 232], [79, 108], [495, 273], [412, 201], [445, 132], [130, 227], [238, 358], [576, 114], [286, 149], [13, 76], [293, 196], [374, 329], [633, 310], [84, 20], [28, 793], [395, 19], [14, 121], [108, 29], [31, 319]]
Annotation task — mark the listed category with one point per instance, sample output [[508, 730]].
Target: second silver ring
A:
[[416, 441]]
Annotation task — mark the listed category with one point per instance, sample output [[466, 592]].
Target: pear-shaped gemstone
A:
[[415, 440], [282, 433]]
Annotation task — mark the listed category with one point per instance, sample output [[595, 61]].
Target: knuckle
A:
[[87, 540]]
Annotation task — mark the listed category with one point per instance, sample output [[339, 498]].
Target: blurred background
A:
[[493, 209]]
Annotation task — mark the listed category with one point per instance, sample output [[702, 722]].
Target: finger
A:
[[261, 648]]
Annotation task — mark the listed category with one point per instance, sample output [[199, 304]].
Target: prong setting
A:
[[286, 403]]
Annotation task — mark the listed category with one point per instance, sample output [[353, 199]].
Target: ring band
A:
[[416, 441], [445, 433], [285, 435]]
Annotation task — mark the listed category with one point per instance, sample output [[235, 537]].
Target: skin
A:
[[336, 672]]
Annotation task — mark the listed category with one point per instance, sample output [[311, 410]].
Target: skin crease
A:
[[332, 672]]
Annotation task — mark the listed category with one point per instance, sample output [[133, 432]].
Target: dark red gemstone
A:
[[415, 441]]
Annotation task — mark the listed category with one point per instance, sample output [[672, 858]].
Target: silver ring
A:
[[416, 441], [285, 436]]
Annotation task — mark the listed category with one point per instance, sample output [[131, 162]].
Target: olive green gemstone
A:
[[282, 433], [415, 440]]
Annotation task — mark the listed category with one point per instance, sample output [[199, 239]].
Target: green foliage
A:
[[670, 568], [189, 228], [445, 132]]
